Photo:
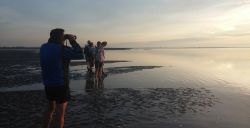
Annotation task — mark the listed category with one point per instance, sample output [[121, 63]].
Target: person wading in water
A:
[[89, 52]]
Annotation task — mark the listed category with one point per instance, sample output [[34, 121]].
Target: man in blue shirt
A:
[[89, 52], [54, 59]]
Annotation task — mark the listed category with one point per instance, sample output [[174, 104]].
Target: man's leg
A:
[[103, 73], [100, 83], [96, 76], [96, 72], [49, 114], [60, 112], [91, 64], [100, 71], [88, 65]]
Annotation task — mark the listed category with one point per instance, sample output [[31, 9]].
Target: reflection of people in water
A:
[[99, 83], [92, 83]]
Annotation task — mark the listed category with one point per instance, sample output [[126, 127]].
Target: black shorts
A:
[[60, 94], [98, 64]]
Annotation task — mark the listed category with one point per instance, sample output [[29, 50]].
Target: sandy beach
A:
[[125, 64], [185, 89]]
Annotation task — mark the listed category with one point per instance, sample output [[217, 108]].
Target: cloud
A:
[[29, 21]]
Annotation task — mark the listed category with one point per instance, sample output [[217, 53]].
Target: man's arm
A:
[[74, 52], [75, 46]]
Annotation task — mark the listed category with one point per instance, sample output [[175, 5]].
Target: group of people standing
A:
[[95, 56]]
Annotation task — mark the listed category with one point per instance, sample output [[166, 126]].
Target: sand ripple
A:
[[107, 107]]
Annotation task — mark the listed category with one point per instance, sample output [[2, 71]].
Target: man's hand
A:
[[71, 38], [74, 44]]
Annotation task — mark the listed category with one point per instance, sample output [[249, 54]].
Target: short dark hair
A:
[[104, 43], [55, 35], [98, 42], [89, 42]]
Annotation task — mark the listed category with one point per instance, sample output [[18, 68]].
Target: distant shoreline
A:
[[9, 48]]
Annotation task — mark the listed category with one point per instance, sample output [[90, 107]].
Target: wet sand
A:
[[138, 92], [107, 108]]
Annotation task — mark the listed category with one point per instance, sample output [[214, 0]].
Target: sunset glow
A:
[[196, 22]]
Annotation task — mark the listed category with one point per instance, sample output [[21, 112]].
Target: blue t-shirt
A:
[[51, 61]]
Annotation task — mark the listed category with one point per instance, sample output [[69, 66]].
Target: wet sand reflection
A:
[[92, 83]]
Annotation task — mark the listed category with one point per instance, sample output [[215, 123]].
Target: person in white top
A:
[[104, 44], [99, 58]]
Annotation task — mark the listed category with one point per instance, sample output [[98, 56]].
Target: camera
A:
[[67, 36]]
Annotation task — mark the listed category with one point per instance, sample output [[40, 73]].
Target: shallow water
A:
[[199, 66], [195, 87]]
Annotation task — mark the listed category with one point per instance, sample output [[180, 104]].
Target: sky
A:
[[128, 22]]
